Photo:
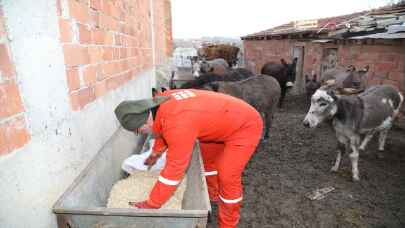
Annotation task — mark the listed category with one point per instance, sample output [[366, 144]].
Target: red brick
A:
[[74, 101], [3, 140], [389, 57], [10, 100], [2, 27], [132, 52], [108, 54], [115, 82], [123, 53], [374, 81], [58, 8], [121, 27], [115, 11], [79, 11], [390, 82], [90, 75], [73, 78], [109, 39], [116, 53], [86, 96], [101, 88], [96, 4], [118, 40], [65, 31], [396, 76], [108, 22], [97, 35], [124, 65], [109, 69], [106, 7], [95, 54], [126, 29], [95, 19], [6, 65], [75, 55], [134, 72], [15, 135], [385, 66], [84, 34], [401, 63], [132, 42]]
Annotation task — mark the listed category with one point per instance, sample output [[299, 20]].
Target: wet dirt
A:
[[296, 161]]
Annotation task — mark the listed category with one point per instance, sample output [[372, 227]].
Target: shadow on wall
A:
[[163, 74]]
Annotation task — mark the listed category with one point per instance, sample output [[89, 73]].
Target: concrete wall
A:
[[65, 65]]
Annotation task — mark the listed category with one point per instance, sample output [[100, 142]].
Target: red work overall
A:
[[228, 130]]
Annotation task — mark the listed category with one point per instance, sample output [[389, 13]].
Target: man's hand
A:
[[142, 205], [151, 160]]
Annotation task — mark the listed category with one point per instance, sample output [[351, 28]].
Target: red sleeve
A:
[[160, 145], [180, 138]]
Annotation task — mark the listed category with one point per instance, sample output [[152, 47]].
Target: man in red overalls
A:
[[227, 128]]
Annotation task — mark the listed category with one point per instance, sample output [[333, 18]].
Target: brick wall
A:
[[162, 27], [106, 43], [259, 52], [387, 62], [385, 58], [13, 131]]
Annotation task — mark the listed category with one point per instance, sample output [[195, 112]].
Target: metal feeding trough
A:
[[83, 204]]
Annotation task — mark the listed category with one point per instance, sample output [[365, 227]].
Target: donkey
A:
[[284, 73], [230, 75], [261, 92], [352, 116], [217, 66]]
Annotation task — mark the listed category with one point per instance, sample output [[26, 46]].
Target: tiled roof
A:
[[307, 26], [360, 23], [388, 19]]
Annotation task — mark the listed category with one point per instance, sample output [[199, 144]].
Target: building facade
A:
[[374, 38]]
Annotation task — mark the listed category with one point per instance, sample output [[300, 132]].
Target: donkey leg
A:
[[381, 143], [366, 140], [341, 148], [282, 96], [354, 157], [268, 118]]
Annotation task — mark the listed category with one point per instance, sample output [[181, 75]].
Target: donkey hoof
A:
[[356, 178], [334, 169]]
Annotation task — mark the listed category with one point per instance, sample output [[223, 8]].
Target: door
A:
[[299, 88], [329, 59]]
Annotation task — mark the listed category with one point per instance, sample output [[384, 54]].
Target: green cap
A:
[[134, 114]]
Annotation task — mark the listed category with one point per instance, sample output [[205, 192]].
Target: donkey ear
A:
[[283, 62], [350, 68], [214, 86], [332, 94]]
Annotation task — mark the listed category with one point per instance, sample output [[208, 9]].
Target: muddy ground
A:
[[297, 160]]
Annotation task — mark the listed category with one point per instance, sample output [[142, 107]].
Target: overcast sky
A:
[[235, 18]]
